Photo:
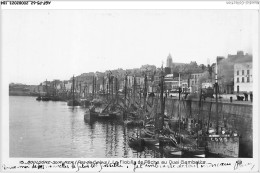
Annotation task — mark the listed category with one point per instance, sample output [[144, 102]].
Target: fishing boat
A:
[[135, 139], [225, 146], [73, 101], [171, 151], [99, 111], [47, 96], [221, 144], [85, 103], [152, 130], [55, 98], [134, 123], [184, 137], [39, 98]]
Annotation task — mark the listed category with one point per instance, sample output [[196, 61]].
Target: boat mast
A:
[[216, 93], [125, 87], [145, 91], [179, 86], [79, 89], [85, 90], [161, 98], [109, 83], [179, 114], [46, 88], [116, 87], [93, 87], [134, 89], [103, 92], [112, 86], [73, 83]]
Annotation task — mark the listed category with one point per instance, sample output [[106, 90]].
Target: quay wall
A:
[[231, 116]]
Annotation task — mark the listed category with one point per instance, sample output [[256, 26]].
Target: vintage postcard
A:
[[129, 86]]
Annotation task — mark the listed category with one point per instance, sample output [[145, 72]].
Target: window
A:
[[238, 80], [243, 79], [238, 72], [247, 79], [242, 72], [248, 72]]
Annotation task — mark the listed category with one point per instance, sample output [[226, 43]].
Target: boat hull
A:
[[46, 98], [90, 115], [73, 103], [134, 123], [223, 146], [151, 141], [39, 98]]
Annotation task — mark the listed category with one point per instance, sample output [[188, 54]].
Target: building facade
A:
[[243, 77], [194, 81]]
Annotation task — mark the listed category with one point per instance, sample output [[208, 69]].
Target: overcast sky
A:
[[55, 44]]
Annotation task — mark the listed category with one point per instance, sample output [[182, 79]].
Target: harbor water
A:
[[39, 129]]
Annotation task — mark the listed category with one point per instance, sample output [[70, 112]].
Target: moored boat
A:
[[73, 103], [39, 98], [222, 146], [46, 98]]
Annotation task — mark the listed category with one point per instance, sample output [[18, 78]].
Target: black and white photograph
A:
[[130, 83]]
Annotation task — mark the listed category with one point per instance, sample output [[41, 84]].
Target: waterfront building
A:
[[185, 85], [207, 84], [46, 83], [243, 79], [68, 85], [168, 80], [176, 83], [226, 71], [130, 81], [194, 82]]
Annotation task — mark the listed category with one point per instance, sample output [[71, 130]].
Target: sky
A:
[[57, 44]]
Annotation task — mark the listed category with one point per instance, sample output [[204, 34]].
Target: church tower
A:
[[169, 61]]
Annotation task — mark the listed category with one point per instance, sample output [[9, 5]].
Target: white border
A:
[[135, 5], [77, 5]]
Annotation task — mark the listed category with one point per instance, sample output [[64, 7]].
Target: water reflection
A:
[[53, 129]]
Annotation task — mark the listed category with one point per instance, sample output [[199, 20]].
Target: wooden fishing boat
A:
[[134, 123], [46, 98], [100, 111], [225, 146], [171, 151], [219, 144], [73, 101], [39, 98], [151, 141], [85, 103], [135, 141]]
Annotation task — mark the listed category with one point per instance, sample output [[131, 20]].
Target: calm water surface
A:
[[53, 129]]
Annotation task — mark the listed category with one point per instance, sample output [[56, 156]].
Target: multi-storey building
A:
[[243, 79], [194, 81]]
